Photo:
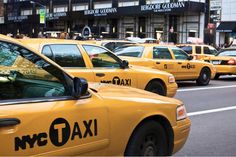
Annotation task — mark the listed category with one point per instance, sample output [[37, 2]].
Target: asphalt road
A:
[[212, 110]]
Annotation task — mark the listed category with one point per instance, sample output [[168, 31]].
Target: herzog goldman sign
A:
[[148, 8]]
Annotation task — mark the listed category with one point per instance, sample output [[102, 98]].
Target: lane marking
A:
[[211, 111], [205, 88]]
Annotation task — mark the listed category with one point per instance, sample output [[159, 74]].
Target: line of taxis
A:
[[48, 108]]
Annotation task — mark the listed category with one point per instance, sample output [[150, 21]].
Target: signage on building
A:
[[17, 18], [162, 7], [86, 31], [55, 16], [42, 16], [215, 5], [100, 12]]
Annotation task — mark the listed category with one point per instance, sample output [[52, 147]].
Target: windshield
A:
[[130, 51], [231, 52]]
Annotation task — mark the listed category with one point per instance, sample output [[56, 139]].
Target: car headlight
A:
[[171, 79], [181, 113]]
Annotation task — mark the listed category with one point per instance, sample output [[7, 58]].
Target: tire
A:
[[204, 77], [217, 76], [156, 87], [149, 139]]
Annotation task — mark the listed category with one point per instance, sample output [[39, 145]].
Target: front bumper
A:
[[171, 89], [181, 132], [225, 69]]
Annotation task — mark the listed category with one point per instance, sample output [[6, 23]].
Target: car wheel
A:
[[156, 87], [149, 139], [204, 77], [217, 76]]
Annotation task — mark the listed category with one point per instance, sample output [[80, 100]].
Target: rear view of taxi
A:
[[98, 64], [170, 59], [46, 111], [224, 62]]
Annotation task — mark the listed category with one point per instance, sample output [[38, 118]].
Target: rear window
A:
[[187, 49], [65, 55], [227, 53], [130, 51], [198, 49]]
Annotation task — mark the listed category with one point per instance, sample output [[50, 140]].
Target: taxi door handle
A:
[[158, 62], [100, 74], [5, 122], [179, 62]]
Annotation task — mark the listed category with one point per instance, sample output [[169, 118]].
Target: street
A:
[[212, 110]]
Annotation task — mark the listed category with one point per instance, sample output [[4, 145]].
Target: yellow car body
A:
[[170, 59], [62, 116], [133, 76], [198, 51], [224, 62]]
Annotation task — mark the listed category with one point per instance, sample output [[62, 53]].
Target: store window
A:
[[79, 7], [126, 3], [100, 5], [26, 12], [60, 8]]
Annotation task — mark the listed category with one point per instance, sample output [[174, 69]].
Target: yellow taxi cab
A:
[[168, 58], [59, 115], [224, 62], [97, 64], [198, 51]]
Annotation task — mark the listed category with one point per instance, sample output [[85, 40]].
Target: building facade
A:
[[226, 30], [167, 20]]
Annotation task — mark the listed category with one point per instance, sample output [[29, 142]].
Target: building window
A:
[[61, 8], [100, 5], [79, 7], [125, 3], [26, 12]]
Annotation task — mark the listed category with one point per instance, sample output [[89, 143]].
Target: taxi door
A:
[[163, 59], [185, 68], [107, 67], [70, 58]]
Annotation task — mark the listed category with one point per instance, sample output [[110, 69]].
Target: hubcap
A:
[[204, 76], [149, 151]]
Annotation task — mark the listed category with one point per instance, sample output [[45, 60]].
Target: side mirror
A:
[[190, 57], [80, 87], [124, 64]]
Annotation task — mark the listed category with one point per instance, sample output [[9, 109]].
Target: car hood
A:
[[109, 91]]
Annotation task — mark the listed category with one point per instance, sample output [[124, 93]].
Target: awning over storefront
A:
[[226, 27]]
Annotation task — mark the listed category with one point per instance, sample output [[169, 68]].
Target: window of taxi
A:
[[179, 54], [161, 53], [66, 55], [100, 57], [129, 51], [187, 49], [25, 75]]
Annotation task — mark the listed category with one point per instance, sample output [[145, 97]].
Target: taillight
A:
[[232, 61]]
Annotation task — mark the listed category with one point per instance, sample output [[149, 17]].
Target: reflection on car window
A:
[[29, 76], [65, 55], [130, 51], [227, 53], [100, 57], [179, 54], [187, 49], [213, 51], [161, 53]]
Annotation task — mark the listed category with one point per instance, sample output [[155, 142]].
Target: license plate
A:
[[216, 62]]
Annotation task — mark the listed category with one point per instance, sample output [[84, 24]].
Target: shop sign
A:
[[42, 14], [215, 5], [86, 31], [162, 7], [55, 16], [17, 18], [100, 12]]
